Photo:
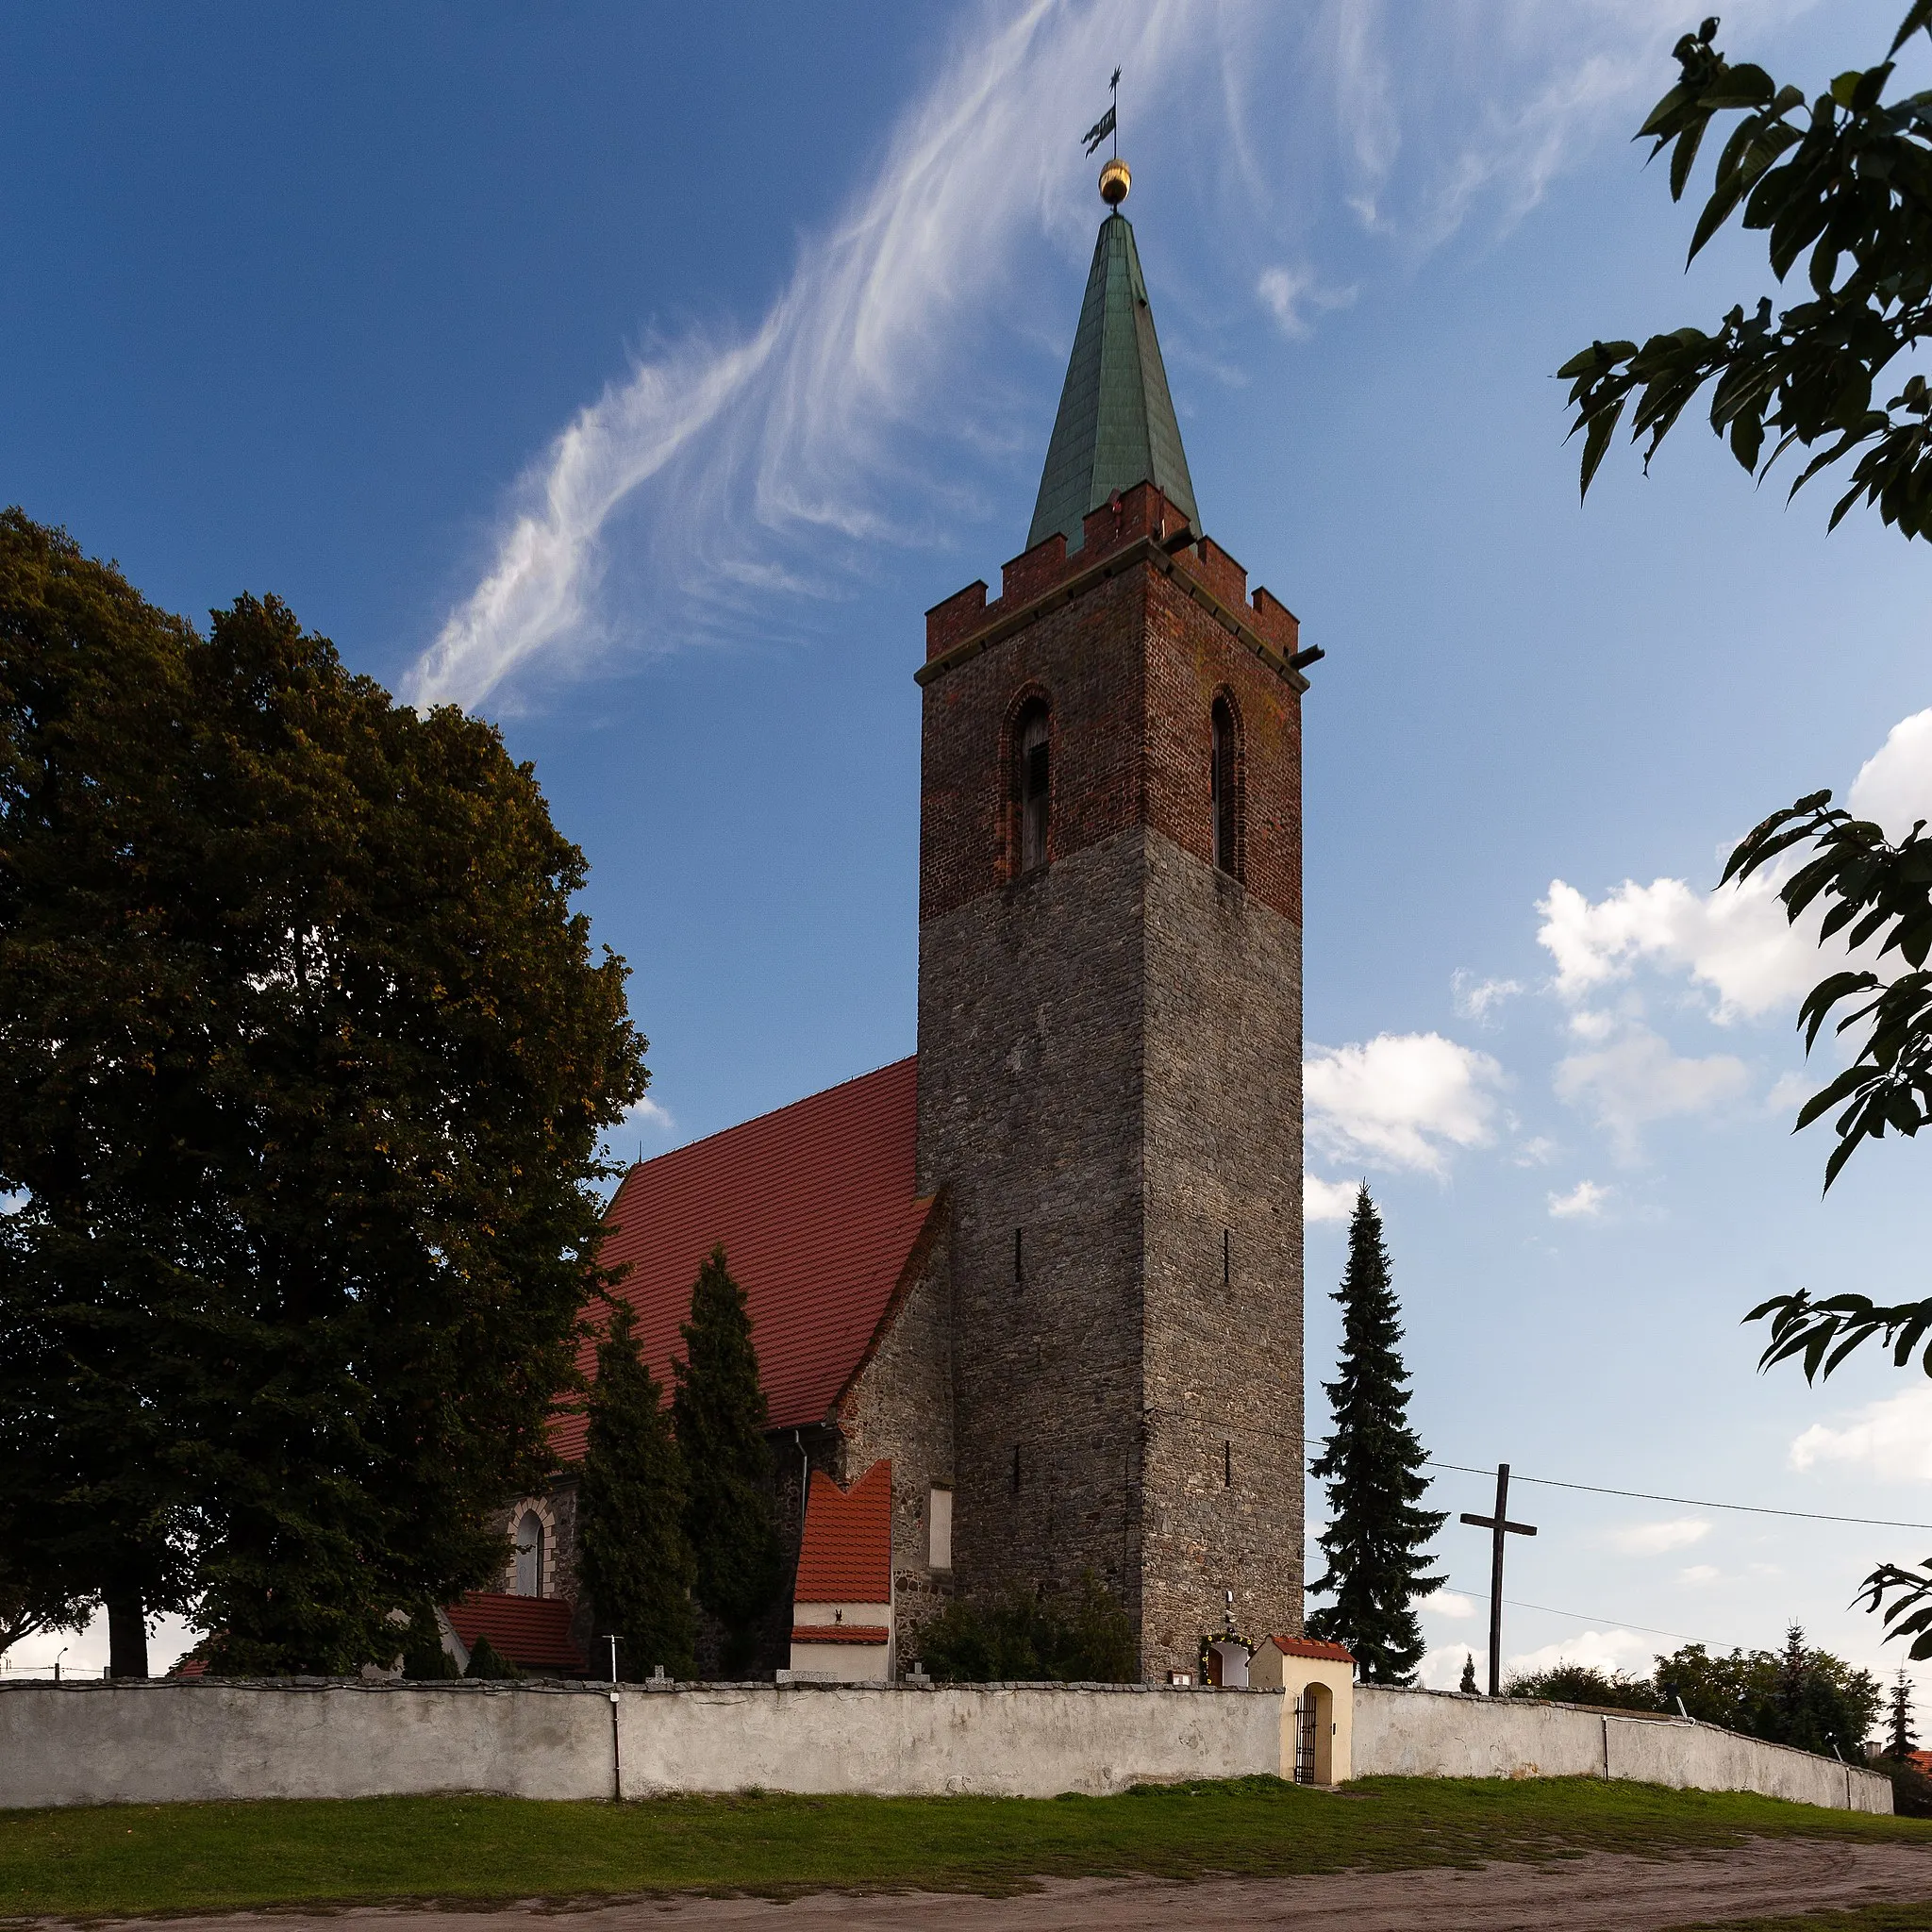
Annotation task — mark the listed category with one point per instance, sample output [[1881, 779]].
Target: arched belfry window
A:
[[1224, 788], [530, 1555], [1032, 784]]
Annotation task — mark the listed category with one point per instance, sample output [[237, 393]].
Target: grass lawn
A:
[[115, 1860]]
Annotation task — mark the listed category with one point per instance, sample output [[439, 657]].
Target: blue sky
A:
[[639, 377]]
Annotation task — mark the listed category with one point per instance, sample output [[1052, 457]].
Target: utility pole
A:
[[1499, 1526]]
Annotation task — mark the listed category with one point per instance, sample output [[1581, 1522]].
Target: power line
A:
[[1576, 1616], [1688, 1502]]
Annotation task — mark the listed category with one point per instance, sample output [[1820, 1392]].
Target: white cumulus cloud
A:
[[1737, 941], [1597, 1650], [1637, 1079], [1583, 1202], [1475, 999], [1894, 784], [1326, 1200], [1891, 1439], [1657, 1539], [1403, 1100], [1448, 1603]]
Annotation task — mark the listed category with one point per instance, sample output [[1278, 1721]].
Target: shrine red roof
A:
[[846, 1554], [533, 1631], [815, 1210], [1313, 1646]]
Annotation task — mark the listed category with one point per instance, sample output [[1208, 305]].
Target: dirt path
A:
[[1601, 1893]]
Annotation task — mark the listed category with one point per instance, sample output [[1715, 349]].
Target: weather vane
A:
[[1114, 179], [1107, 124]]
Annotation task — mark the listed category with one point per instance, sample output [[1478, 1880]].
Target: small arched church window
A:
[[1224, 788], [1033, 783], [530, 1555]]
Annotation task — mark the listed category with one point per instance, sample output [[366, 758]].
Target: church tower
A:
[[1109, 1026]]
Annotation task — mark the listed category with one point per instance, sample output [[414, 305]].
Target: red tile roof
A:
[[815, 1209], [840, 1633], [1312, 1646], [847, 1554], [533, 1631]]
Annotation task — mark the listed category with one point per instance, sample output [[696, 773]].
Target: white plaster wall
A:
[[156, 1742], [855, 1663], [1443, 1734], [1023, 1741], [96, 1742], [101, 1743]]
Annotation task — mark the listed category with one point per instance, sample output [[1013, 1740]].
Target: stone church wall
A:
[[1029, 1037], [1109, 1077], [1222, 1399], [901, 1406]]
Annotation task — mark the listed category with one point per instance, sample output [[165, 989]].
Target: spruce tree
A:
[[635, 1560], [720, 1414], [1901, 1737], [1468, 1687], [1371, 1465]]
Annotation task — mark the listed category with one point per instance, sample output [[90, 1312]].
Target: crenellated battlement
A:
[[1139, 521]]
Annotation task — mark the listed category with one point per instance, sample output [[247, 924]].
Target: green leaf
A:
[[1919, 16], [1603, 427], [1743, 86], [1684, 157]]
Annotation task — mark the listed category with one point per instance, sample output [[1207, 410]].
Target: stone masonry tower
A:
[[1109, 1026]]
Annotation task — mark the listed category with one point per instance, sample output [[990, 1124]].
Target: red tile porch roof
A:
[[1313, 1646], [847, 1554], [840, 1633], [532, 1631], [815, 1209]]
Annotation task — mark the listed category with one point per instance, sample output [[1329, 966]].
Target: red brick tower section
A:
[[1110, 1073]]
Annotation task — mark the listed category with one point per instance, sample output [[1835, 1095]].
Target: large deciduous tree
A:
[[1841, 182], [633, 1557], [304, 1061], [1372, 1464], [720, 1414]]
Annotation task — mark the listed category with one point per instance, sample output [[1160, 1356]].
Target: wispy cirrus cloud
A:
[[728, 469]]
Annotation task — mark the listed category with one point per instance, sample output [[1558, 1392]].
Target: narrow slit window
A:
[[1033, 783], [1223, 784]]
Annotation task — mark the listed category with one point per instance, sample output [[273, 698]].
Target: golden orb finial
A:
[[1114, 182]]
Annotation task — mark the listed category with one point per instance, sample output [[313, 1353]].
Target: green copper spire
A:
[[1116, 426]]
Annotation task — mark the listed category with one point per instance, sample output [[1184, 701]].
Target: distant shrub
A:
[[1081, 1637], [1568, 1683], [486, 1660], [1911, 1789], [423, 1656], [1796, 1695]]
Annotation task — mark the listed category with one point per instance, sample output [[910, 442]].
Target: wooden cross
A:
[[1499, 1526]]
